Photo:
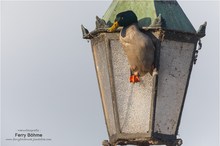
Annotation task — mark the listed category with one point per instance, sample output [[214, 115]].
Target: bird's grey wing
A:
[[146, 54]]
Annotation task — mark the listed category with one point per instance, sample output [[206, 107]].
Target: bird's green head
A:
[[124, 19]]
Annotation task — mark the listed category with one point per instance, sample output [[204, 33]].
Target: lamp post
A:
[[149, 112]]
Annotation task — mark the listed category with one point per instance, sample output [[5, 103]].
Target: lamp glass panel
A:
[[99, 50], [175, 62], [133, 100]]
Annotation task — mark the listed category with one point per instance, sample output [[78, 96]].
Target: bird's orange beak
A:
[[113, 27]]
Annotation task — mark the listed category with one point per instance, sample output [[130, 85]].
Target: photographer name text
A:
[[28, 135]]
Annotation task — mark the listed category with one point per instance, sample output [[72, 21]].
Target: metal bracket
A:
[[158, 22], [197, 51], [85, 31], [201, 32], [100, 23], [106, 143]]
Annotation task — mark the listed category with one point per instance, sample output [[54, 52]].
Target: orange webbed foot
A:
[[134, 79]]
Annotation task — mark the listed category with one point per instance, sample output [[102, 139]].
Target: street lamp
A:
[[149, 112]]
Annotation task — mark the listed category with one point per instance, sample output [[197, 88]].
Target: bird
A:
[[138, 47]]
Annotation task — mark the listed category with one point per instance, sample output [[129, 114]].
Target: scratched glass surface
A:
[[104, 81], [134, 100]]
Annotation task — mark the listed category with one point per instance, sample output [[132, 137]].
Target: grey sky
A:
[[48, 79]]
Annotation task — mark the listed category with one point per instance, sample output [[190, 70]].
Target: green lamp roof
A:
[[148, 10]]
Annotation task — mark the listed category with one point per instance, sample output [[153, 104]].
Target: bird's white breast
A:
[[138, 47]]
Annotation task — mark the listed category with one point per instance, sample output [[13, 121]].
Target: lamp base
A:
[[177, 142]]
